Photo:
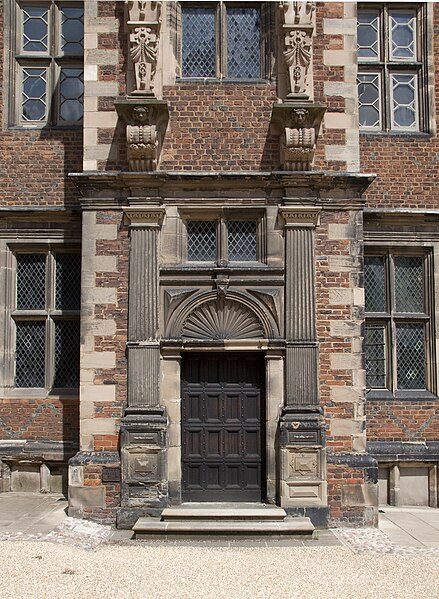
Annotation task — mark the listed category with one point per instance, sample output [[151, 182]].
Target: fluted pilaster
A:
[[301, 359], [143, 318]]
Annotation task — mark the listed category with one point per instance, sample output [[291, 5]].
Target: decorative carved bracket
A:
[[300, 125], [144, 24], [146, 121]]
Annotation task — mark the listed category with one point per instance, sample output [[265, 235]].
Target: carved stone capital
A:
[[300, 216], [144, 217], [297, 13]]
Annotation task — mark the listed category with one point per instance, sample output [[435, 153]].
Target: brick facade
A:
[[216, 135]]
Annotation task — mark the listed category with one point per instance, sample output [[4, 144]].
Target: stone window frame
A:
[[423, 67], [11, 315], [222, 216], [54, 61], [267, 41], [389, 251]]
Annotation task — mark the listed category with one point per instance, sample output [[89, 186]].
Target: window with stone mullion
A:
[[391, 67], [398, 334], [49, 78]]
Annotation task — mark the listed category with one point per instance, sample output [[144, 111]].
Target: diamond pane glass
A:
[[31, 282], [375, 357], [201, 240], [66, 353], [410, 350], [243, 43], [34, 93], [404, 101], [368, 34], [374, 284], [199, 48], [369, 89], [242, 240], [402, 34], [30, 354], [409, 284], [72, 30], [35, 29], [68, 282], [71, 91]]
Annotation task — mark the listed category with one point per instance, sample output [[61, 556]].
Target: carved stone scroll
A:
[[144, 32], [298, 28]]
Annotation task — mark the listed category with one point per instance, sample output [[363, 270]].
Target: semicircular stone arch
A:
[[222, 319]]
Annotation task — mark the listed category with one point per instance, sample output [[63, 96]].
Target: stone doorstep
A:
[[227, 511], [146, 527]]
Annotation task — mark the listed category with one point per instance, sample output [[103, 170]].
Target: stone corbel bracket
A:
[[146, 120], [144, 23], [298, 125]]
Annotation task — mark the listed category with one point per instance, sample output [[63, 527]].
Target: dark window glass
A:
[[66, 353], [375, 357], [30, 354], [409, 284], [374, 283], [202, 240], [199, 49], [410, 347], [31, 282], [242, 240], [243, 43], [68, 281]]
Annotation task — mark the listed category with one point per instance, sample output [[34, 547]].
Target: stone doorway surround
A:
[[171, 399]]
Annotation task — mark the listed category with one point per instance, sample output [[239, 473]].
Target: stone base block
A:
[[319, 516]]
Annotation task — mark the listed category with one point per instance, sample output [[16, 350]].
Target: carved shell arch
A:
[[207, 317]]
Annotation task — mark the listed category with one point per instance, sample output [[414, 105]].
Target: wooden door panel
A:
[[222, 428]]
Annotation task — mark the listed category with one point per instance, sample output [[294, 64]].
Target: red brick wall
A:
[[34, 164], [406, 165], [402, 420]]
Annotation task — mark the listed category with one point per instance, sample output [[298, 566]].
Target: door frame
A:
[[234, 495], [273, 399]]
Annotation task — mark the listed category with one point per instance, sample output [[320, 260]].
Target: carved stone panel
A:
[[222, 319]]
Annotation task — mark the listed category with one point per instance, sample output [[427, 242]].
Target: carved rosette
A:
[[298, 28], [144, 34]]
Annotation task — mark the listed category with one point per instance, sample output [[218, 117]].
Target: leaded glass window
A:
[[221, 40], [391, 65], [49, 74], [222, 240], [46, 319], [398, 329]]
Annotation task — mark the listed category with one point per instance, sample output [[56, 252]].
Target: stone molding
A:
[[144, 217], [300, 217]]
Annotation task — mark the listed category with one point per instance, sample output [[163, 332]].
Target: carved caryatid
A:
[[297, 18], [144, 27]]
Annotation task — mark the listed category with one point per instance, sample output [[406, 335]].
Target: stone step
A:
[[151, 527], [226, 511]]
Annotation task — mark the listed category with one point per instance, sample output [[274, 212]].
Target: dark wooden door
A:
[[222, 427]]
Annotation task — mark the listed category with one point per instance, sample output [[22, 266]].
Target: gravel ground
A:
[[46, 570]]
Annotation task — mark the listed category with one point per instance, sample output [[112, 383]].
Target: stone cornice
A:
[[106, 190]]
